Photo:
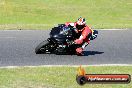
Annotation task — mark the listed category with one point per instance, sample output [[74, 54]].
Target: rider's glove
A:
[[78, 41]]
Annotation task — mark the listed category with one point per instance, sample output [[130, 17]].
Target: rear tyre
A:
[[42, 47]]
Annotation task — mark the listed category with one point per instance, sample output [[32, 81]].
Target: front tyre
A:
[[42, 47]]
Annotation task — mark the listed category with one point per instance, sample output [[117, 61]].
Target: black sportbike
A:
[[61, 41]]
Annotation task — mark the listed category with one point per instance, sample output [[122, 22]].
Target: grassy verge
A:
[[56, 77], [43, 14]]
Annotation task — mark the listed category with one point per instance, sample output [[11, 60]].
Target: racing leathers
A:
[[83, 39]]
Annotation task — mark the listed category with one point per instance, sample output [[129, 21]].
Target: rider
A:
[[84, 31]]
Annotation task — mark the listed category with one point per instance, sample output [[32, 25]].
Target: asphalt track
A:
[[111, 47]]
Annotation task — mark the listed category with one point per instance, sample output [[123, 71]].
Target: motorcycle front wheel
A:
[[43, 47]]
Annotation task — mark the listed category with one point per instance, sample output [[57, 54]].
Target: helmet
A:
[[80, 23]]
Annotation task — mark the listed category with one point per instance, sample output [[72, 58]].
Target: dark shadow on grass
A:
[[87, 53]]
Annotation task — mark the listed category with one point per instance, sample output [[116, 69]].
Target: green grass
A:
[[44, 14], [57, 77]]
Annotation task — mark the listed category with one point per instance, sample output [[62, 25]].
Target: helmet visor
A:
[[80, 27]]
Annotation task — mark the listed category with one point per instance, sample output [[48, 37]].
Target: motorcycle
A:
[[61, 41]]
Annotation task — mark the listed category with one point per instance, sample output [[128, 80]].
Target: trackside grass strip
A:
[[57, 77], [44, 14]]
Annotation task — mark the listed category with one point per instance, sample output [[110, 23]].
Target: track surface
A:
[[111, 47]]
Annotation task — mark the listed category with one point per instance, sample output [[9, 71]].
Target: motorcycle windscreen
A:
[[60, 33]]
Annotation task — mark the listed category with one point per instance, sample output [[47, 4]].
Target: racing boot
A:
[[80, 49]]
